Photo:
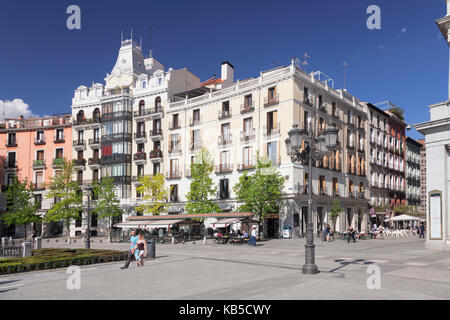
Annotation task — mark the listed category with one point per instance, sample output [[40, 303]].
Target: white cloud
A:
[[15, 108], [404, 30]]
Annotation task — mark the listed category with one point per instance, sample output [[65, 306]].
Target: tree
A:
[[335, 211], [154, 194], [409, 210], [21, 205], [68, 197], [201, 189], [106, 203], [261, 193]]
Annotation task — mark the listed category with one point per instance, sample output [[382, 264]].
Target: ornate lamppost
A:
[[88, 228], [322, 146]]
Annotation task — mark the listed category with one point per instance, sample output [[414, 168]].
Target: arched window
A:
[[158, 103], [141, 107], [96, 115], [80, 116]]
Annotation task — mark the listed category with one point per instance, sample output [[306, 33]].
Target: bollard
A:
[[173, 240], [38, 244], [26, 249], [151, 252]]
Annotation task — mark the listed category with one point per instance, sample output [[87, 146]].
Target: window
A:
[[225, 159], [40, 155], [248, 101], [80, 177], [272, 152], [196, 115], [141, 107], [79, 219], [156, 168], [174, 167], [38, 199], [248, 126], [144, 84], [224, 189], [306, 95], [140, 170], [175, 121], [11, 159], [174, 193], [80, 155], [158, 103], [271, 94], [40, 136], [333, 109], [247, 156], [226, 108], [159, 81], [140, 147], [59, 134], [10, 179], [272, 118], [11, 139], [321, 105], [296, 220]]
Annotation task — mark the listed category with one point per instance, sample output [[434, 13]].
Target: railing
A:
[[248, 135], [38, 186], [116, 158], [336, 193], [117, 136], [140, 156], [94, 161], [269, 101], [268, 132], [59, 140], [10, 251], [79, 122], [225, 139], [246, 108], [224, 114], [196, 145], [323, 192], [156, 132], [39, 163], [11, 144], [175, 149], [173, 175], [94, 141], [39, 142], [79, 143], [223, 168], [79, 162], [58, 162], [116, 115], [307, 101], [148, 112], [155, 154], [323, 108], [140, 135], [245, 166]]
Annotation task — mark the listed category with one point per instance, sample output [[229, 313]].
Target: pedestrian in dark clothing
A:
[[351, 233], [133, 242], [422, 230]]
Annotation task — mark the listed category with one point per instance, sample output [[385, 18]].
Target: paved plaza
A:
[[269, 271]]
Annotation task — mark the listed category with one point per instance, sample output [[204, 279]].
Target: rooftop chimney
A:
[[228, 74]]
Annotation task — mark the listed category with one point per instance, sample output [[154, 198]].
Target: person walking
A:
[[252, 241], [133, 241], [351, 233], [422, 230], [140, 250]]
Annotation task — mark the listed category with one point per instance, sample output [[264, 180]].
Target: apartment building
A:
[[34, 149], [413, 172], [118, 127], [239, 120]]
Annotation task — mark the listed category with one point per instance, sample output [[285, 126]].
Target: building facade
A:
[[413, 192], [34, 149], [423, 177], [437, 144]]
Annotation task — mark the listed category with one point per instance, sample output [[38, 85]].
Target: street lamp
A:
[[312, 151], [88, 229]]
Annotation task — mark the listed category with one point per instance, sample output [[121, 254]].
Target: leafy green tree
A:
[[261, 193], [409, 210], [154, 194], [106, 205], [68, 197], [202, 191], [21, 207], [335, 211]]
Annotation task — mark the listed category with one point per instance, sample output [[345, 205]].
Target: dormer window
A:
[[144, 84]]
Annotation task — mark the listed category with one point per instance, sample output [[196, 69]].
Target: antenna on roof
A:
[[345, 65], [141, 43], [150, 41], [131, 34], [121, 37]]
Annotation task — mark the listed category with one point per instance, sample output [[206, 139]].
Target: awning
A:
[[147, 224], [223, 223]]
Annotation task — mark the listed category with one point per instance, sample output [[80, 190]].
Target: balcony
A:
[[39, 141], [140, 157], [11, 144], [173, 175], [323, 108], [156, 134], [94, 162], [245, 166], [307, 101], [270, 101], [224, 114], [195, 121], [38, 186], [156, 155], [335, 115], [57, 163], [173, 125], [247, 136], [271, 132], [79, 144], [38, 164], [225, 140], [337, 167], [84, 122], [59, 140], [95, 142], [246, 108], [116, 158], [11, 165], [117, 137], [175, 149], [336, 193], [79, 162], [223, 168], [322, 192], [140, 136], [118, 115], [351, 194], [149, 113]]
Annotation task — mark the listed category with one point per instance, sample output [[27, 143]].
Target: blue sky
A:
[[42, 62]]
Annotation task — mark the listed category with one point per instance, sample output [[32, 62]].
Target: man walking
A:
[[422, 231], [351, 233], [252, 241], [133, 241]]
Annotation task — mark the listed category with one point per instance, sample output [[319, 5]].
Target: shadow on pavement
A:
[[345, 263]]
